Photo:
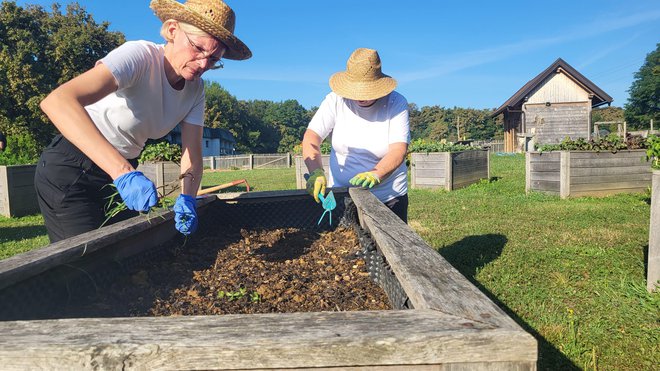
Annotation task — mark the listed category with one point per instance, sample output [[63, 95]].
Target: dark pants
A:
[[72, 191], [399, 206]]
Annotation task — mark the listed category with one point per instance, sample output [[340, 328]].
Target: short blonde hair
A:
[[186, 27]]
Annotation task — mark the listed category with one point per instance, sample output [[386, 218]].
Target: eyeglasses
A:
[[216, 63]]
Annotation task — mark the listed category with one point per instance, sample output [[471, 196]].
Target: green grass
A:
[[570, 272], [259, 180], [21, 235]]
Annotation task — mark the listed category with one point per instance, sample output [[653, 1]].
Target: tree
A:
[[38, 51], [644, 100]]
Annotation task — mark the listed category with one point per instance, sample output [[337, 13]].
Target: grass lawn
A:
[[571, 272]]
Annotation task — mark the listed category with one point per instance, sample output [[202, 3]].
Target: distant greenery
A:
[[326, 147], [21, 149], [644, 100], [653, 151], [611, 143], [426, 145], [161, 151]]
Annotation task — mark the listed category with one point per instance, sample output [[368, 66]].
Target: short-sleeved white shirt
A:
[[361, 137], [145, 106]]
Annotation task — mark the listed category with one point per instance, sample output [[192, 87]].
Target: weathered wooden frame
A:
[[453, 325], [17, 194], [448, 170], [587, 173]]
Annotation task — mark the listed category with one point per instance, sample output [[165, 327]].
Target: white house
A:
[[215, 141]]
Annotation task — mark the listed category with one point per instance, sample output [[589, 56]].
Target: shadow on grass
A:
[[471, 254], [22, 233]]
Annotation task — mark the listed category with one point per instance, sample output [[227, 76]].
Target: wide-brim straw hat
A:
[[363, 78], [211, 16]]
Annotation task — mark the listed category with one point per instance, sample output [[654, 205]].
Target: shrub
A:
[[326, 147], [612, 143], [653, 151], [162, 151], [21, 149], [424, 145]]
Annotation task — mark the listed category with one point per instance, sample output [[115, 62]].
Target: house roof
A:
[[515, 102]]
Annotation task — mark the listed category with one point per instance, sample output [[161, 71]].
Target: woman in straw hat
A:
[[140, 90], [370, 134]]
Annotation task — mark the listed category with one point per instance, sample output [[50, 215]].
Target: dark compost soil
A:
[[245, 271]]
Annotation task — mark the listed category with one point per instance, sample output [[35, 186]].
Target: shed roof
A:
[[212, 133], [515, 102]]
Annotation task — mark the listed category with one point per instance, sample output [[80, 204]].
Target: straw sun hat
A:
[[363, 78], [211, 16]]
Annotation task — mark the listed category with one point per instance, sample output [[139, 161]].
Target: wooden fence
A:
[[248, 161]]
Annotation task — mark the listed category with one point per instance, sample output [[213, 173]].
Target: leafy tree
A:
[[644, 101], [38, 51]]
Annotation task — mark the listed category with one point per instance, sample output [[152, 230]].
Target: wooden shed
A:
[[554, 105]]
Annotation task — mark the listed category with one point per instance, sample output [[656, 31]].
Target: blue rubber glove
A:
[[138, 192], [185, 214]]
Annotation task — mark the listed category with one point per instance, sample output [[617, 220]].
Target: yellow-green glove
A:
[[367, 180], [316, 183]]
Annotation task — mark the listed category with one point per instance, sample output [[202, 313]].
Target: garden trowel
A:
[[329, 204]]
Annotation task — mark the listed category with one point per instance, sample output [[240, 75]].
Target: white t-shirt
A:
[[361, 137], [145, 105]]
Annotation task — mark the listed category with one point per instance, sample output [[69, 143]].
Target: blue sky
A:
[[447, 53]]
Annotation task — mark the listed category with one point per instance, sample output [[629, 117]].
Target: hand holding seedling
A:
[[368, 179], [138, 192], [185, 214]]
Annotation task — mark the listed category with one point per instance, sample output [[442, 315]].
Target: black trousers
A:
[[399, 206], [72, 191]]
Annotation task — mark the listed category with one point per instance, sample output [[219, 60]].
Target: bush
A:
[[653, 151], [22, 149], [162, 151], [612, 143], [424, 145], [326, 147]]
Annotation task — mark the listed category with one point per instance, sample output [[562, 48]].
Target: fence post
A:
[[251, 161], [288, 159], [565, 174], [213, 163], [653, 266]]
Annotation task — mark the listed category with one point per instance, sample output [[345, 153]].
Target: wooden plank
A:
[[613, 161], [653, 271], [427, 278], [613, 186], [545, 186], [635, 154], [611, 170], [430, 165], [551, 176], [606, 192], [614, 178], [294, 340], [544, 166], [22, 266]]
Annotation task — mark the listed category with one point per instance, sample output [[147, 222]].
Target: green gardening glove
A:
[[366, 180], [316, 183]]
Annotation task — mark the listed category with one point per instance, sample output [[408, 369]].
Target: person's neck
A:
[[176, 81]]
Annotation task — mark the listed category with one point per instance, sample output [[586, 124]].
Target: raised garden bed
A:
[[587, 173], [438, 316], [301, 170], [17, 194], [448, 170]]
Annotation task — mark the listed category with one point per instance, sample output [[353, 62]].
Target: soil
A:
[[247, 271]]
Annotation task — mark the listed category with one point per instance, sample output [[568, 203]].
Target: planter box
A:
[[587, 173], [653, 271], [165, 176], [440, 320], [448, 170], [301, 170], [17, 194]]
